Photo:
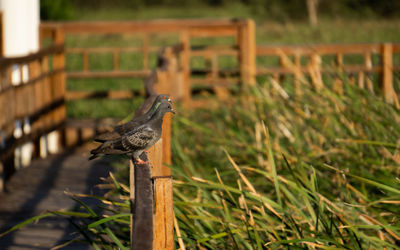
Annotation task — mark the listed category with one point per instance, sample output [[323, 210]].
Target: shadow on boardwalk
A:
[[41, 187]]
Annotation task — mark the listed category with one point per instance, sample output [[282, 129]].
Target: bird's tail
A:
[[107, 148]]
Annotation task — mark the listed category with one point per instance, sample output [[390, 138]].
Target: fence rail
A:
[[31, 99], [240, 45], [152, 225], [315, 60]]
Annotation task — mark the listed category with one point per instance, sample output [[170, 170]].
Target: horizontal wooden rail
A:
[[321, 49], [32, 94], [108, 74], [109, 94], [8, 61]]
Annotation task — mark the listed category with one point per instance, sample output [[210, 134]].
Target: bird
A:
[[136, 121], [137, 140]]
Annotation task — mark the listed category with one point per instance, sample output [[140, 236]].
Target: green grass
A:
[[269, 170], [322, 172], [266, 170]]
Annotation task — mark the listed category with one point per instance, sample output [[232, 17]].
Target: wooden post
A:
[[116, 59], [1, 35], [247, 51], [145, 51], [85, 59], [142, 206], [59, 83], [185, 64], [164, 215], [387, 72]]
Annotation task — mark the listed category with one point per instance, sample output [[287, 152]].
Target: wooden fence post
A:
[[59, 83], [142, 205], [247, 51], [163, 217], [387, 72], [185, 64]]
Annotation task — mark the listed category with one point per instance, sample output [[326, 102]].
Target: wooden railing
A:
[[191, 34], [151, 185], [31, 99], [316, 60]]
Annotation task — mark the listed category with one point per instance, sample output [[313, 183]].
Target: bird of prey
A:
[[135, 122], [137, 140]]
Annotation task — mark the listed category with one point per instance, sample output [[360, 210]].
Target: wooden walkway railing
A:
[[334, 59], [31, 100], [151, 184], [193, 35]]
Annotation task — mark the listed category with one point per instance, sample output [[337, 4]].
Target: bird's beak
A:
[[169, 100], [173, 111]]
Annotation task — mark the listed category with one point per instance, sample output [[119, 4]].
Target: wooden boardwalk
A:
[[41, 186]]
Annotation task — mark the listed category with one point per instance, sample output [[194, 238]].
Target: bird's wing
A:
[[108, 136], [138, 139], [131, 125]]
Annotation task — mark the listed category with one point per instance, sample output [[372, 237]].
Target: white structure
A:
[[21, 19], [20, 26]]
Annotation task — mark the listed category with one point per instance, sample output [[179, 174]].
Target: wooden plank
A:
[[166, 137], [116, 59], [1, 35], [146, 52], [219, 82], [111, 94], [185, 65], [9, 61], [142, 209], [346, 68], [247, 49], [321, 49], [85, 59], [156, 158], [109, 74], [110, 49], [164, 215], [387, 72]]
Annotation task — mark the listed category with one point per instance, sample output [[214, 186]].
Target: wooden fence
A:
[[193, 35], [358, 61], [151, 184], [31, 100]]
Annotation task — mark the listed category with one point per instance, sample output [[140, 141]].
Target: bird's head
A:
[[163, 98], [166, 107]]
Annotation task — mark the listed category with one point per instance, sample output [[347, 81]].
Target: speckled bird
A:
[[134, 123], [137, 140]]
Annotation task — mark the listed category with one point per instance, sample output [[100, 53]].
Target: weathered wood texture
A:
[[31, 98], [40, 187], [152, 221]]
